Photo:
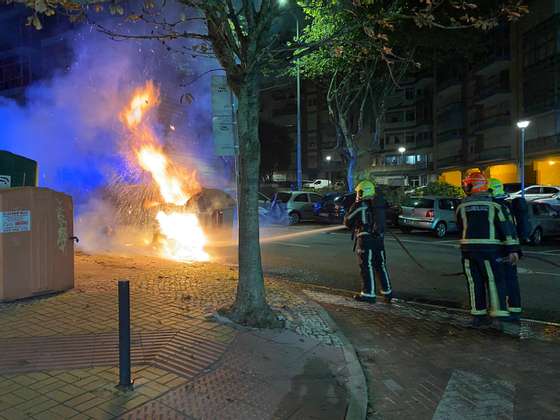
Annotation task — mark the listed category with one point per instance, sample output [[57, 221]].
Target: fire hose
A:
[[418, 263], [421, 266]]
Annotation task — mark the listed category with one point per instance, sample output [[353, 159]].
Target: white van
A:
[[318, 184]]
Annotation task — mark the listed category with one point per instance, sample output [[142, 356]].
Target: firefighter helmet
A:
[[365, 189], [475, 182], [496, 187]]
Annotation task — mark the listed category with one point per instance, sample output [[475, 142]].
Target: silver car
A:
[[553, 201], [429, 213], [298, 204], [543, 221]]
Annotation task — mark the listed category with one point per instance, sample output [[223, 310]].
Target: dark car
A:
[[345, 201], [325, 210]]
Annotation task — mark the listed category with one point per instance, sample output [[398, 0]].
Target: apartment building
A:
[[404, 155], [28, 55], [471, 124], [320, 156]]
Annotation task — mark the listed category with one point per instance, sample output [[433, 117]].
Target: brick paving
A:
[[60, 352], [419, 364]]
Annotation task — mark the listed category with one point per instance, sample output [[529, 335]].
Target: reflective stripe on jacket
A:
[[484, 224]]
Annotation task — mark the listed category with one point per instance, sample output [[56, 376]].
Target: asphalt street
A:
[[305, 253]]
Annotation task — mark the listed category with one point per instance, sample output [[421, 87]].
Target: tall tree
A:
[[374, 44], [241, 34]]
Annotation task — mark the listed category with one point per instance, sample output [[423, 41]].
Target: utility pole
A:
[[298, 128], [522, 125]]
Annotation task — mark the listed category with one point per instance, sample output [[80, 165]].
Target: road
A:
[[305, 253]]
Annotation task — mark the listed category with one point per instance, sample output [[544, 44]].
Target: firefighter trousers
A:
[[373, 268], [485, 283], [512, 288]]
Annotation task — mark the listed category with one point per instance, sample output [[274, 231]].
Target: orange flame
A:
[[182, 236]]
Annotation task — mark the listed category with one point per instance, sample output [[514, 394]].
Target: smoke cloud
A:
[[69, 123]]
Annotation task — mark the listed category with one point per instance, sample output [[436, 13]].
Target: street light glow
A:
[[328, 158], [523, 124], [402, 149]]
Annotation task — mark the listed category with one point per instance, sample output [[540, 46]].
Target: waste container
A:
[[36, 244], [17, 171]]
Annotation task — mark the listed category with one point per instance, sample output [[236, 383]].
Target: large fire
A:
[[180, 235]]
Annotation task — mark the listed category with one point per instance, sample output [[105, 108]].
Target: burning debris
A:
[[179, 233]]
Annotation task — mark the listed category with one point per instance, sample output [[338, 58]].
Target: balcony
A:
[[498, 61], [491, 155], [454, 134], [493, 94], [400, 168], [494, 121], [543, 145], [449, 86], [450, 161]]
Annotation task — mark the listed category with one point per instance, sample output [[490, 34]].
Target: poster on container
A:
[[5, 181], [15, 221]]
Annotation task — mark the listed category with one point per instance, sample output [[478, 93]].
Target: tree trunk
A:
[[351, 153], [250, 307]]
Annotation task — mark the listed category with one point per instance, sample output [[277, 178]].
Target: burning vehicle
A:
[[158, 210]]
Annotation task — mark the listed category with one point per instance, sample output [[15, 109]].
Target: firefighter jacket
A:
[[485, 226], [367, 217], [508, 213]]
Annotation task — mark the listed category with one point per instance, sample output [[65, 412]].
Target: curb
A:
[[357, 385]]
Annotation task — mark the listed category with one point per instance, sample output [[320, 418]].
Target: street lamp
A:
[[522, 125], [401, 151], [283, 3], [328, 159]]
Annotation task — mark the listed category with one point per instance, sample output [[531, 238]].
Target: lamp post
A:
[[328, 158], [283, 3], [401, 151], [522, 125]]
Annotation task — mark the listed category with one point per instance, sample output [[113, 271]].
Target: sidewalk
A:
[[424, 363], [59, 353]]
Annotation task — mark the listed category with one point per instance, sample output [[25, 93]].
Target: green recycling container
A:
[[17, 171]]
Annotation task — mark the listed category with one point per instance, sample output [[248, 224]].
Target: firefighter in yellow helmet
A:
[[366, 219], [496, 188]]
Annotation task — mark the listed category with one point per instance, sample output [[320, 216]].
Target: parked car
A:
[[553, 201], [318, 184], [544, 221], [325, 210], [343, 202], [298, 204], [535, 192], [429, 213], [512, 187]]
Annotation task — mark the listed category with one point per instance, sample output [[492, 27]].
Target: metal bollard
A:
[[125, 381]]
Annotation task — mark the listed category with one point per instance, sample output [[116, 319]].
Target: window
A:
[[283, 197], [447, 204], [410, 115], [315, 197], [419, 203], [301, 198], [549, 190], [409, 94], [532, 190], [394, 117], [409, 139], [397, 139]]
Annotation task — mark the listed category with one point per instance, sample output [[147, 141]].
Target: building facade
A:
[[471, 123]]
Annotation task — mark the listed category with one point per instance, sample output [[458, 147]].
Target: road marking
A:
[[290, 244], [470, 396]]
